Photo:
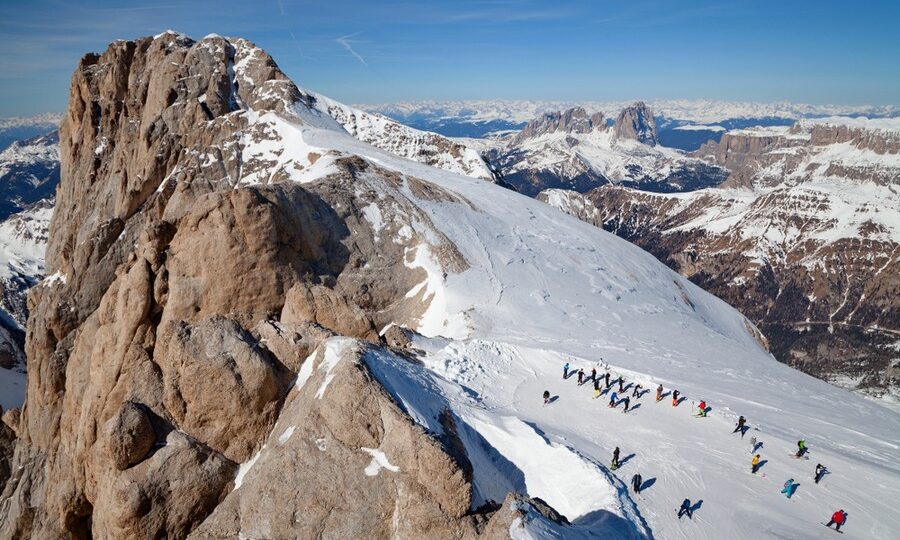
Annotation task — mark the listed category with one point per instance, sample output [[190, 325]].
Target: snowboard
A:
[[700, 416], [800, 457], [835, 530]]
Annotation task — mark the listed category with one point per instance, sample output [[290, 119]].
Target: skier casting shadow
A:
[[688, 509]]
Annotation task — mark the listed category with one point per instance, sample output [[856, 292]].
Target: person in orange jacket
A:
[[754, 464]]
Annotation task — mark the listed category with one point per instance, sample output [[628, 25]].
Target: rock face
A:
[[574, 120], [806, 151], [636, 123], [191, 284], [805, 243], [573, 150]]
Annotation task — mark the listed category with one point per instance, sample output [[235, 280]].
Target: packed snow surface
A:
[[542, 289]]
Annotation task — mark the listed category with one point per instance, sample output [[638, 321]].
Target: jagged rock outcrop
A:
[[193, 275], [574, 120], [636, 122], [577, 151]]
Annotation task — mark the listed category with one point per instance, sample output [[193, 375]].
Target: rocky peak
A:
[[574, 120], [636, 122]]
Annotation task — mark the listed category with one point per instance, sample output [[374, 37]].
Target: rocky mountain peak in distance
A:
[[636, 122], [573, 120]]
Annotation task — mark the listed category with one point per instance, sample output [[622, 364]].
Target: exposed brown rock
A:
[[186, 305], [636, 122], [129, 435]]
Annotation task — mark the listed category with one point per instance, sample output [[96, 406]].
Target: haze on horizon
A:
[[572, 50]]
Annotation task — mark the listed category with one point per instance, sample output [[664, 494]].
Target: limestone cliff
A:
[[190, 283]]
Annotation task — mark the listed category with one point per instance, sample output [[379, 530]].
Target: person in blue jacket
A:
[[612, 399], [788, 489], [566, 370]]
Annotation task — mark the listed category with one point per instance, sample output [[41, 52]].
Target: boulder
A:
[[129, 435]]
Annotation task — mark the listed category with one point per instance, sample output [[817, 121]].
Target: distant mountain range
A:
[[683, 124], [21, 128]]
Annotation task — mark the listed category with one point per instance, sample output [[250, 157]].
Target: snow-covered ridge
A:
[[23, 153], [426, 147]]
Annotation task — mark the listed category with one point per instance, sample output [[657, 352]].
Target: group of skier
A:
[[837, 519]]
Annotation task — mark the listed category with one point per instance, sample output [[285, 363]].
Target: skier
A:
[[596, 387], [675, 398], [685, 509], [612, 399], [627, 402], [702, 408], [837, 519], [566, 371], [740, 427], [820, 472], [594, 374], [636, 392], [754, 464], [754, 444], [546, 397], [788, 489], [621, 380], [580, 375], [636, 482], [659, 391], [615, 459], [607, 379], [801, 448]]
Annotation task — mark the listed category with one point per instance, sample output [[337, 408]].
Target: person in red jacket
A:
[[702, 408], [837, 519]]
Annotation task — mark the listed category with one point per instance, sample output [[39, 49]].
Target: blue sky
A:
[[380, 51]]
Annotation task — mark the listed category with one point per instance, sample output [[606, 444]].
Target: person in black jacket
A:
[[637, 482]]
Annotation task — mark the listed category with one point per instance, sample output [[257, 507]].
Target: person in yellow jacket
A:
[[754, 464]]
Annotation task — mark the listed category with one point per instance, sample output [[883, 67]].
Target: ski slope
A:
[[544, 288]]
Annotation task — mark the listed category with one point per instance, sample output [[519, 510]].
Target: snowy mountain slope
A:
[[543, 288], [29, 172], [422, 146], [804, 242]]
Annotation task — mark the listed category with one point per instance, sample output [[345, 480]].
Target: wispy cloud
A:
[[346, 43]]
